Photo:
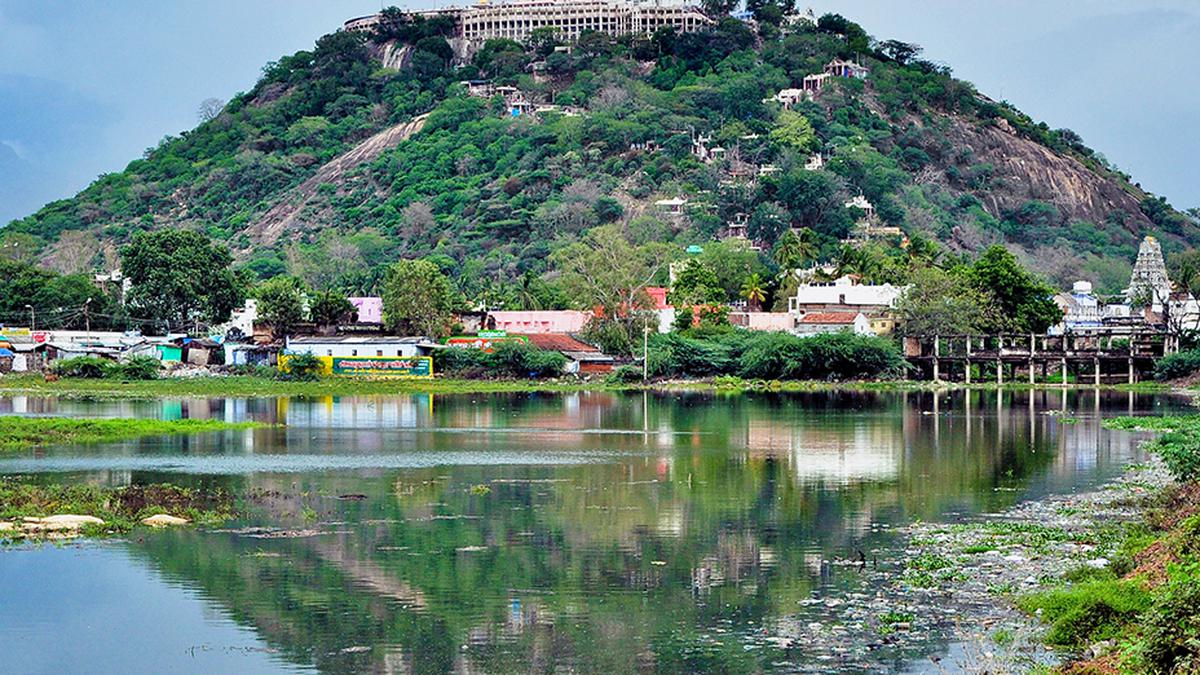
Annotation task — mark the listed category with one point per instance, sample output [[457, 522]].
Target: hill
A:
[[369, 148]]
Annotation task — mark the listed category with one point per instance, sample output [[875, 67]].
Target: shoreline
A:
[[246, 386], [948, 600]]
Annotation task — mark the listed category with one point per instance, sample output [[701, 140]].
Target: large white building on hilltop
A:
[[515, 20]]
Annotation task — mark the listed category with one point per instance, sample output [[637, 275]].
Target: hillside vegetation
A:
[[333, 164]]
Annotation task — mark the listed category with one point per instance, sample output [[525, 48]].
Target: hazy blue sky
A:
[[86, 86]]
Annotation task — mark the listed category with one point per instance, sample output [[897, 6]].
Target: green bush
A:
[[1180, 451], [510, 359], [136, 368], [775, 356], [1087, 612], [625, 375], [87, 367], [301, 368], [1177, 365]]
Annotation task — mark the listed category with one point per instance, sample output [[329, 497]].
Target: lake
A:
[[588, 532]]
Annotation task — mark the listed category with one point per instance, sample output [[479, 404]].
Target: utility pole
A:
[[87, 321], [32, 319], [645, 352]]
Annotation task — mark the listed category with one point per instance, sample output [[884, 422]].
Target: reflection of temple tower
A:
[[1149, 284]]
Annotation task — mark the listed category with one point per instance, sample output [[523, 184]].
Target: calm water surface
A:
[[592, 532]]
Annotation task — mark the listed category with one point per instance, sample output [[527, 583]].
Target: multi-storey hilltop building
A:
[[516, 19]]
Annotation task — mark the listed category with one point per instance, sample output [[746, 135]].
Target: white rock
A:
[[164, 520], [63, 522]]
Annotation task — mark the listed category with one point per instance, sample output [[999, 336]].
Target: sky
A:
[[86, 86]]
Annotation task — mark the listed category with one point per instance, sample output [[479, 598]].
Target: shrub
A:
[[625, 375], [1170, 641], [1180, 451], [136, 368], [1177, 365], [88, 367], [301, 368], [511, 359]]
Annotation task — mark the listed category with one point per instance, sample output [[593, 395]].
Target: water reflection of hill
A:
[[708, 513]]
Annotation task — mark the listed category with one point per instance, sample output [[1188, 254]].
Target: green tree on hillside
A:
[[181, 278], [418, 299], [793, 131]]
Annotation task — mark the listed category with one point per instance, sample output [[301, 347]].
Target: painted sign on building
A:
[[482, 342], [410, 366]]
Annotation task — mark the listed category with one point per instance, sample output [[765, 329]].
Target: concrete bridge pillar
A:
[[999, 372], [1132, 374], [1096, 364], [1063, 365]]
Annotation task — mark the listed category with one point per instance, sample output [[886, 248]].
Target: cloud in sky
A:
[[85, 87]]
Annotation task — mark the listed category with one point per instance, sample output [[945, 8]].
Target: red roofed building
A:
[[815, 323], [582, 358]]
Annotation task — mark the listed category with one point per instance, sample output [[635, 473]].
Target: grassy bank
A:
[[1141, 612], [121, 509], [23, 432], [247, 386], [250, 386]]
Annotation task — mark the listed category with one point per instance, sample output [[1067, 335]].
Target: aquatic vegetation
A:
[[23, 432]]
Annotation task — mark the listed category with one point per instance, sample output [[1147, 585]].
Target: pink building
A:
[[782, 322], [535, 322], [370, 310]]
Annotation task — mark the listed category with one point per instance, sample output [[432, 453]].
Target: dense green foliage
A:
[[418, 299], [774, 356], [491, 197], [509, 359], [180, 278], [90, 367], [1177, 365], [57, 300], [1179, 445]]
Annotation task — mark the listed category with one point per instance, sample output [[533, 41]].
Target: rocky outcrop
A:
[[289, 208], [1023, 170]]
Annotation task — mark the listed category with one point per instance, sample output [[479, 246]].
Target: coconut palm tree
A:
[[754, 291], [795, 248]]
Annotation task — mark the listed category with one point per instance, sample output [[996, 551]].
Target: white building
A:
[[351, 346], [843, 295], [476, 24]]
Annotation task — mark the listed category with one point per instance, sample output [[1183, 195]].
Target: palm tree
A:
[[754, 291], [795, 248], [922, 252]]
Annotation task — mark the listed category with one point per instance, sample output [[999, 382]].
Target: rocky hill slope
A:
[[369, 149]]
